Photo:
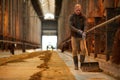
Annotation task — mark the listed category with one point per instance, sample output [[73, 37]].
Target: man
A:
[[77, 26]]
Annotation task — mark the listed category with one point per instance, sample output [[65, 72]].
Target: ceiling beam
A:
[[36, 5], [58, 5]]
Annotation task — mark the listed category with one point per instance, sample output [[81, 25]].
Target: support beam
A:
[[37, 8]]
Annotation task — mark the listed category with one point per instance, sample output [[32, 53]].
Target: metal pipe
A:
[[104, 23], [7, 41]]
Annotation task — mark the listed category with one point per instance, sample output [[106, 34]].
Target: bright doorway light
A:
[[49, 16], [49, 40]]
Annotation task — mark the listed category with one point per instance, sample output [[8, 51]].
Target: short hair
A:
[[77, 5]]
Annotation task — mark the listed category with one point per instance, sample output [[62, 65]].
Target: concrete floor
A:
[[79, 75], [22, 70]]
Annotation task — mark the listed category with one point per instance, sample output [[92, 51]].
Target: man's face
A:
[[77, 10]]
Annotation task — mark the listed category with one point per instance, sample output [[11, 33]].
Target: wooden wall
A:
[[19, 23]]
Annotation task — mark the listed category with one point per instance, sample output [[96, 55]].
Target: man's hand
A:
[[80, 31], [84, 35]]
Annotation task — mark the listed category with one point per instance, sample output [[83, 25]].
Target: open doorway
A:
[[49, 40]]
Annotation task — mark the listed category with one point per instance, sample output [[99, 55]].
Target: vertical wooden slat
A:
[[10, 18], [17, 19], [3, 12], [0, 18], [6, 19], [21, 19], [13, 19]]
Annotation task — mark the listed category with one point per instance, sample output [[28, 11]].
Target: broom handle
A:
[[104, 23], [85, 47]]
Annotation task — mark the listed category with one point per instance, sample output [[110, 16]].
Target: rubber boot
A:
[[82, 58], [75, 59]]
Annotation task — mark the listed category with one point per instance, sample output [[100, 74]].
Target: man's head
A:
[[77, 9]]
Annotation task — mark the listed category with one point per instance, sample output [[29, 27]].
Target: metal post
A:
[[24, 24]]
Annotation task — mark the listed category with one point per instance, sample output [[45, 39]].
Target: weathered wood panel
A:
[[17, 23]]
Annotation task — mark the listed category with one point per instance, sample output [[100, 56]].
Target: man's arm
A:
[[72, 26], [85, 28]]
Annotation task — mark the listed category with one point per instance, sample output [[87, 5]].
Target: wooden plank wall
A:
[[19, 22]]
